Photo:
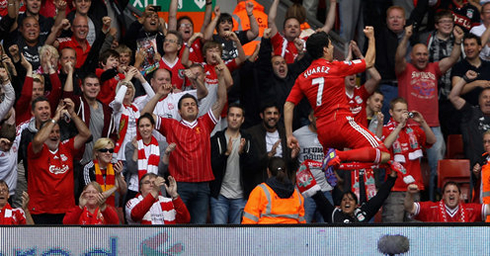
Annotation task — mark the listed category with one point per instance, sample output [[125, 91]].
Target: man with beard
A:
[[269, 140]]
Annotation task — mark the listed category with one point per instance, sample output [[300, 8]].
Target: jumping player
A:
[[323, 85]]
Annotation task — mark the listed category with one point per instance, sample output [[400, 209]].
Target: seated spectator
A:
[[13, 216], [108, 176], [151, 208], [405, 139], [449, 209], [276, 201], [92, 208], [349, 210]]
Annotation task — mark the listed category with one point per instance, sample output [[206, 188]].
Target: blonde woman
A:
[[102, 170]]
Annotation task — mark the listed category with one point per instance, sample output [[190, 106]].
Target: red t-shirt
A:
[[50, 178], [323, 85], [419, 89], [432, 212], [195, 52], [177, 69], [357, 105], [191, 160], [284, 48], [72, 43]]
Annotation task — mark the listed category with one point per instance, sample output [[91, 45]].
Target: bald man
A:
[[417, 84]]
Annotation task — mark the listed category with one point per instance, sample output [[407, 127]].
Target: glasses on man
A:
[[170, 41], [185, 25], [445, 21], [105, 150]]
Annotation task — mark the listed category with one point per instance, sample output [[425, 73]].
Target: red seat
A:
[[454, 147], [457, 170]]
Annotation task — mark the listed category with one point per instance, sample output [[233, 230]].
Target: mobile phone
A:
[[156, 8]]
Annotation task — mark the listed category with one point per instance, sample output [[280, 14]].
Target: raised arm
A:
[[43, 134], [394, 134], [330, 19], [207, 15], [401, 51], [408, 203], [83, 131], [185, 55], [163, 91], [373, 74], [9, 91], [430, 137], [172, 15], [222, 94], [371, 51], [449, 61], [241, 53], [202, 91], [271, 19], [288, 123], [454, 96], [253, 32], [209, 31]]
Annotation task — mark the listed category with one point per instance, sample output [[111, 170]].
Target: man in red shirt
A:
[[51, 167], [449, 209], [323, 85], [78, 41], [171, 61], [190, 163]]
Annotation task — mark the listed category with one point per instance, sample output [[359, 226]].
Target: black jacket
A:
[[219, 160]]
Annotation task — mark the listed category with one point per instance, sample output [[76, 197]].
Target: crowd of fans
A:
[[158, 122]]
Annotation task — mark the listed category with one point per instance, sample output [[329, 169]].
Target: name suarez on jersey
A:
[[320, 69]]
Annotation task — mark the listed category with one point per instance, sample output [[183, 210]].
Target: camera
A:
[[410, 115], [156, 8]]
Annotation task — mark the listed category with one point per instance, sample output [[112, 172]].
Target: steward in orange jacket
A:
[[276, 201]]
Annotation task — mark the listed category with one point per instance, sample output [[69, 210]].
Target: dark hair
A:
[[269, 104], [224, 17], [185, 17], [152, 175], [354, 196], [90, 75], [146, 115], [235, 105], [472, 36], [178, 35], [442, 14], [289, 18], [315, 44], [2, 182], [397, 100], [211, 44], [107, 54], [378, 92], [278, 168], [451, 183], [38, 99], [186, 96]]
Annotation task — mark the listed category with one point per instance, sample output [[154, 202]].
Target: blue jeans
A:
[[196, 198], [224, 210], [311, 211], [434, 154], [389, 92]]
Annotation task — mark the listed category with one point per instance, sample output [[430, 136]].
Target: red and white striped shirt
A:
[[191, 160], [156, 211]]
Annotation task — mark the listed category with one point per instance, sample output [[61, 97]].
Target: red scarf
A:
[[443, 212], [87, 218], [108, 183], [123, 124], [369, 183], [412, 151], [147, 163]]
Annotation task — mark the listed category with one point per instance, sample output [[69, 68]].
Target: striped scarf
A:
[[123, 124], [108, 183], [147, 163], [443, 212]]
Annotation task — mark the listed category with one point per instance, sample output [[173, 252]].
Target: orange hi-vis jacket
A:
[[241, 23], [264, 206], [485, 180]]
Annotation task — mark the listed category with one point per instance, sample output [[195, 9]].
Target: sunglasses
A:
[[105, 150]]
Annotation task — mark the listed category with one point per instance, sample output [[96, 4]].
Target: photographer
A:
[[406, 134]]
